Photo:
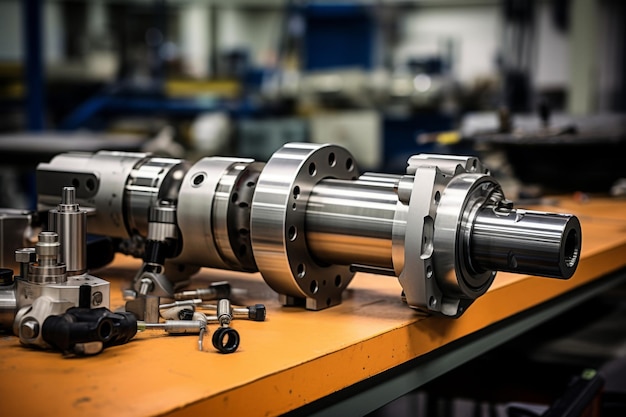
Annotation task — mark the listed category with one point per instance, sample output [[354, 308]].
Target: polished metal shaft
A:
[[70, 223], [525, 242], [351, 222]]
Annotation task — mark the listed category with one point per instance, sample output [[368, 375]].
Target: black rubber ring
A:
[[226, 339]]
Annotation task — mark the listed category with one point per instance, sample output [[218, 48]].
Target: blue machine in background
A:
[[338, 36]]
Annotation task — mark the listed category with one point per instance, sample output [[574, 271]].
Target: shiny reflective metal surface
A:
[[196, 217], [306, 220], [525, 242], [70, 223], [343, 215], [100, 181], [148, 182], [278, 223]]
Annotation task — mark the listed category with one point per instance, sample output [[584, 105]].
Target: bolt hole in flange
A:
[[292, 233], [198, 179], [432, 302], [300, 270], [338, 281], [429, 271], [287, 265], [332, 160]]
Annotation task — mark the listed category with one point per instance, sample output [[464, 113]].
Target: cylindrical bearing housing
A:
[[213, 213], [121, 186]]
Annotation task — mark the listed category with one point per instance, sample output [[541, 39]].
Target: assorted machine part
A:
[[307, 220], [55, 304], [53, 278], [17, 229], [215, 291], [87, 331], [225, 338]]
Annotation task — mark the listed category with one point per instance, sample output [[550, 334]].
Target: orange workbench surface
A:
[[292, 359]]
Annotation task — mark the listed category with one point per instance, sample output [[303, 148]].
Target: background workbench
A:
[[354, 357]]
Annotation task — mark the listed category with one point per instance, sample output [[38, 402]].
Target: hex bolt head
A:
[[256, 312], [25, 255], [97, 298], [29, 329]]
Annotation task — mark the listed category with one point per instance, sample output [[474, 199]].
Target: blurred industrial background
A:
[[527, 82], [535, 88]]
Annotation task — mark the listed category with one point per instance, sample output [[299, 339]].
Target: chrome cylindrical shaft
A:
[[70, 223], [351, 222], [525, 242], [173, 326]]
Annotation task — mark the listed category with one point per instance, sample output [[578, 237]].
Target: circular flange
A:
[[231, 214], [277, 223], [460, 201], [195, 211]]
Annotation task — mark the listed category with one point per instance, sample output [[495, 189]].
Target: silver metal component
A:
[[122, 185], [216, 290], [70, 223], [278, 223], [182, 303], [47, 269], [338, 209], [16, 230], [44, 286], [27, 292], [100, 181], [145, 286], [150, 280], [23, 257], [162, 224], [545, 244], [144, 308], [203, 318], [201, 334], [29, 329], [174, 326], [255, 312], [29, 319], [198, 324], [307, 220], [204, 218], [176, 313], [150, 181], [224, 313]]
